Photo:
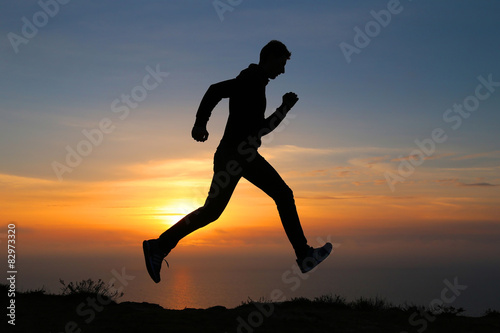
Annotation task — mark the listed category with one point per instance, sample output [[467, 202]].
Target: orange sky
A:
[[349, 202]]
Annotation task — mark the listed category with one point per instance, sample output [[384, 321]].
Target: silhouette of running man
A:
[[237, 156]]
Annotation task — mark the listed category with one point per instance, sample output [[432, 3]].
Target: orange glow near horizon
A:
[[86, 215]]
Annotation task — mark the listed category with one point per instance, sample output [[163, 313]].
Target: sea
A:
[[224, 279]]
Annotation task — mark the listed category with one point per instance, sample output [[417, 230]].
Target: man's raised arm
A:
[[271, 122]]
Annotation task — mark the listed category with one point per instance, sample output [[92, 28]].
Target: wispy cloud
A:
[[329, 197], [20, 182], [369, 162], [277, 151], [358, 151], [476, 184], [376, 182], [491, 154], [457, 182], [171, 168], [468, 231], [417, 157]]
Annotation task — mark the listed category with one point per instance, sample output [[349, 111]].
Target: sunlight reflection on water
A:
[[190, 283]]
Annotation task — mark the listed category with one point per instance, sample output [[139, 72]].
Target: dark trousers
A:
[[229, 166]]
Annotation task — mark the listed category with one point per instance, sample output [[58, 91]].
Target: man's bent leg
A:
[[260, 173], [221, 189]]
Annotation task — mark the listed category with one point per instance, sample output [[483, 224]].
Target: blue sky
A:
[[393, 92]]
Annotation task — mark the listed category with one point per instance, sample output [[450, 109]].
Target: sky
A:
[[392, 151]]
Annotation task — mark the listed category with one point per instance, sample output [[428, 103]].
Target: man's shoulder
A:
[[253, 73]]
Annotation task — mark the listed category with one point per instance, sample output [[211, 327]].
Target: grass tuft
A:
[[491, 313], [90, 287], [370, 304]]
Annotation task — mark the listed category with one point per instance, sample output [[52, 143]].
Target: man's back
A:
[[247, 105]]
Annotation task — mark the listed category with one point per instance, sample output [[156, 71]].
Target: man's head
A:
[[273, 58]]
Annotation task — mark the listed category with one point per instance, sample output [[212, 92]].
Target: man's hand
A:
[[289, 100], [199, 133]]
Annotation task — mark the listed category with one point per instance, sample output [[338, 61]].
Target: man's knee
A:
[[210, 212], [288, 193], [213, 216], [284, 196]]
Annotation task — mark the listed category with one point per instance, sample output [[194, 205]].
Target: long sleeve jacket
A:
[[247, 106]]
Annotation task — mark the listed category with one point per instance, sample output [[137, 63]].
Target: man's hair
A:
[[274, 48]]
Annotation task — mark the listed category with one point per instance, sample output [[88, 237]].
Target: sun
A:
[[176, 210]]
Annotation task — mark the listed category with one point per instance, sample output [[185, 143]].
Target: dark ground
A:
[[39, 312]]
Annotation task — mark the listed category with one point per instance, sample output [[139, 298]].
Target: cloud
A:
[[450, 181], [476, 184], [168, 168], [378, 163], [329, 197], [369, 161], [335, 172], [491, 154], [358, 151], [19, 182], [469, 231], [287, 150], [456, 182], [376, 182], [417, 157]]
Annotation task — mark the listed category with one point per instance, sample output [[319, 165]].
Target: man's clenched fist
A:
[[199, 133], [289, 100]]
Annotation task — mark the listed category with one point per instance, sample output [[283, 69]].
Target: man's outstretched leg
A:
[[260, 173], [155, 250]]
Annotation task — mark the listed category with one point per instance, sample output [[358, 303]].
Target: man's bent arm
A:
[[274, 120], [212, 97]]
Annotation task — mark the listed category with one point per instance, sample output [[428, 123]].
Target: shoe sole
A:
[[149, 266]]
